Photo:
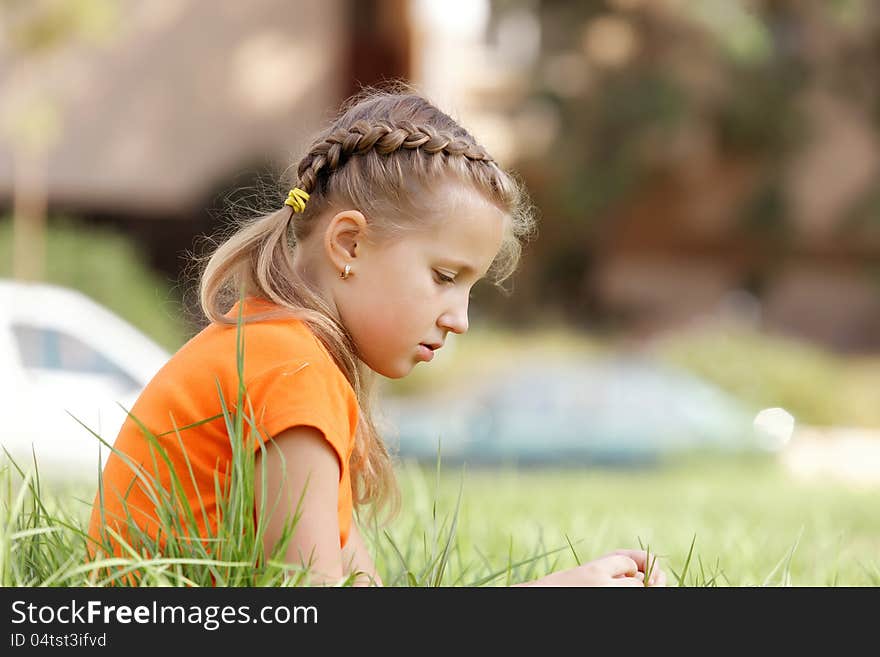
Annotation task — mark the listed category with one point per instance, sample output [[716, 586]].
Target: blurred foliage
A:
[[644, 92], [487, 350], [32, 35], [38, 27], [762, 370], [110, 269], [765, 370], [864, 219]]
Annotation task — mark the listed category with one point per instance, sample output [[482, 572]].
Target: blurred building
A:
[[689, 160], [181, 103]]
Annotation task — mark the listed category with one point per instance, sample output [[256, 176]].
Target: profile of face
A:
[[413, 291]]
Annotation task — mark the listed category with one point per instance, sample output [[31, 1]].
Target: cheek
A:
[[407, 292], [383, 313], [391, 302]]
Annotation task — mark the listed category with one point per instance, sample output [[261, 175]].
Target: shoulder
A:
[[304, 387], [288, 365], [265, 343], [280, 352], [288, 346]]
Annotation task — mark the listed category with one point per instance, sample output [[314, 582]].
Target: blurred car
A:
[[612, 411], [64, 356]]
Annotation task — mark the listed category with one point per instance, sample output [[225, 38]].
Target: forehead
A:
[[467, 229]]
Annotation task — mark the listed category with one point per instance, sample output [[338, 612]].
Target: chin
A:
[[396, 376], [391, 370], [397, 373]]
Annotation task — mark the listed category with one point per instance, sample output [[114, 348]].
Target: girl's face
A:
[[415, 290]]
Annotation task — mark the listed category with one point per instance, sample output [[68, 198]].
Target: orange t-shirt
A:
[[290, 378]]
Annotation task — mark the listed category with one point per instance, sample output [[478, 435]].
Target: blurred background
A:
[[706, 177]]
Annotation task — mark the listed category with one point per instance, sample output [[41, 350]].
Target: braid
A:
[[384, 138], [399, 186]]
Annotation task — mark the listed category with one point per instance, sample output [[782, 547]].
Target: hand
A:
[[619, 568], [658, 577]]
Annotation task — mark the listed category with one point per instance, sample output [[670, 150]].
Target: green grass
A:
[[44, 542], [743, 522], [740, 522]]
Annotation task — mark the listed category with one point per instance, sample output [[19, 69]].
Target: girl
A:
[[364, 270]]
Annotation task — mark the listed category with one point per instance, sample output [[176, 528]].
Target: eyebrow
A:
[[461, 266]]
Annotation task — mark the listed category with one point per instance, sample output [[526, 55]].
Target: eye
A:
[[444, 279]]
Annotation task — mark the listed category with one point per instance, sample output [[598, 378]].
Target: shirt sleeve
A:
[[308, 393]]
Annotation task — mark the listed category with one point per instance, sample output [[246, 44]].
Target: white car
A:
[[65, 358]]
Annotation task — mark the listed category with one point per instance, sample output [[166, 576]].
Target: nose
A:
[[455, 319]]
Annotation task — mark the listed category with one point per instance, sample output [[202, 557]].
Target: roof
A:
[[185, 95]]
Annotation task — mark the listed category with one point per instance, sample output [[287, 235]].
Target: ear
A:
[[345, 232]]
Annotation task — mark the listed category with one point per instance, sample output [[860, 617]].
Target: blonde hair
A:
[[379, 155]]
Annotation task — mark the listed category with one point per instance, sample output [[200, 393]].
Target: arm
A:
[[356, 557], [309, 470], [620, 568]]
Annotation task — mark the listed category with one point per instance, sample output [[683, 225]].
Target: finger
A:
[[639, 556], [627, 581], [658, 579], [656, 571], [618, 564], [645, 561], [636, 575]]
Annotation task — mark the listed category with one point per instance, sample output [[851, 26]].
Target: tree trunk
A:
[[29, 216]]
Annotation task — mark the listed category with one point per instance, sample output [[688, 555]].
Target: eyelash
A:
[[444, 279], [449, 281]]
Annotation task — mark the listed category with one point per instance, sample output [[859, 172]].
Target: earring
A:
[[345, 272]]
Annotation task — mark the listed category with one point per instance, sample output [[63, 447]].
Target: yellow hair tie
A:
[[297, 199]]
